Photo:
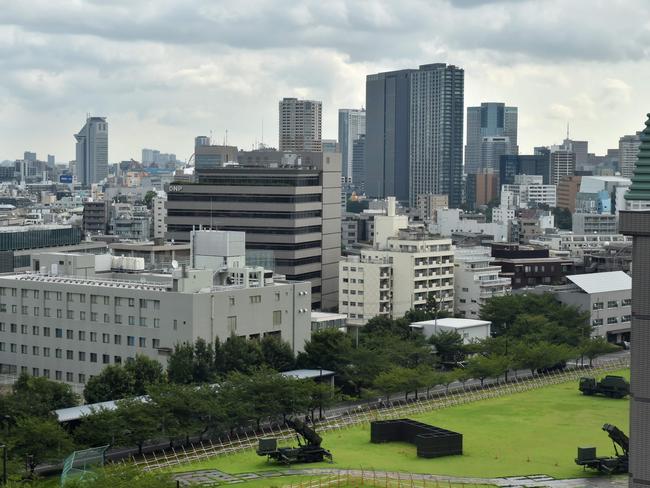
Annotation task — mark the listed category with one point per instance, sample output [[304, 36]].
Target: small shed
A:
[[469, 329]]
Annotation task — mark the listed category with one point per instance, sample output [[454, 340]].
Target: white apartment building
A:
[[575, 245], [452, 221], [476, 280], [397, 277], [77, 315], [529, 190]]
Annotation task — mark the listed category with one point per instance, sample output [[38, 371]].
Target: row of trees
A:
[[169, 411]]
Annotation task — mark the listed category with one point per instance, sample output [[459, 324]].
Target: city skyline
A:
[[151, 74]]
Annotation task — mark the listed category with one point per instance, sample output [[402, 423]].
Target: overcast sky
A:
[[165, 71]]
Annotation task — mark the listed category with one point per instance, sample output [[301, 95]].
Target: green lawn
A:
[[535, 432]]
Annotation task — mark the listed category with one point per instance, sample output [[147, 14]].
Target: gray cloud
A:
[[174, 67]]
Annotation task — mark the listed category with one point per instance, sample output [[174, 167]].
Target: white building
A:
[[592, 223], [77, 314], [470, 330], [575, 245], [476, 280], [400, 272], [450, 221], [529, 191]]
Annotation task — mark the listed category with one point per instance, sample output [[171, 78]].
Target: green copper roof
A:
[[640, 188]]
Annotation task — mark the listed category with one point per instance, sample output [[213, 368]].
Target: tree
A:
[[203, 365], [122, 476], [241, 354], [389, 382], [148, 198], [384, 325], [178, 409], [141, 422], [327, 349], [180, 365], [596, 346], [449, 346], [39, 440], [101, 427], [540, 355], [113, 383], [482, 367], [144, 371], [277, 354], [38, 396]]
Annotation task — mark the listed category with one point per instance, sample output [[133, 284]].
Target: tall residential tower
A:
[[352, 125], [92, 151], [300, 125], [414, 133]]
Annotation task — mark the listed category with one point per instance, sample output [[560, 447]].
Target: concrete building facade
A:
[[300, 125], [628, 151], [76, 316], [567, 190], [491, 132], [476, 280], [287, 203]]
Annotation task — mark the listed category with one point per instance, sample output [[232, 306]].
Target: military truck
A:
[[309, 448], [610, 386], [618, 463]]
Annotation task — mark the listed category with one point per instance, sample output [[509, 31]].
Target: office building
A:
[[159, 215], [428, 205], [80, 314], [637, 224], [476, 280], [414, 132], [528, 191], [510, 166], [628, 151], [287, 203], [352, 126], [491, 132], [529, 266], [359, 164], [580, 149], [212, 156], [92, 151], [594, 223], [96, 217], [481, 189], [330, 145], [300, 125], [567, 190], [563, 163], [202, 141]]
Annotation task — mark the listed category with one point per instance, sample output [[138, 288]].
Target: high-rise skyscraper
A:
[[359, 163], [490, 124], [92, 151], [414, 133], [637, 224], [300, 125], [352, 125], [628, 150]]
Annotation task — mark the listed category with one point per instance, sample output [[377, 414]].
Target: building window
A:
[[156, 304], [58, 375], [82, 315], [82, 335], [93, 357], [93, 316], [70, 314], [69, 377], [175, 324], [93, 299], [117, 339], [118, 301], [107, 300], [23, 349], [256, 298], [58, 333], [58, 353], [130, 341], [143, 303], [131, 320], [82, 356], [35, 330], [107, 318], [82, 298], [118, 319], [14, 309], [597, 322], [612, 304], [626, 302], [59, 313], [142, 342], [143, 321], [106, 359], [625, 318], [69, 334], [69, 354], [12, 348], [117, 359], [35, 351], [231, 300], [155, 343], [46, 312], [46, 352], [131, 302], [23, 329], [598, 305], [23, 309], [82, 378], [156, 323], [232, 324], [35, 372], [106, 338], [612, 320], [93, 337], [277, 318], [46, 373], [2, 346]]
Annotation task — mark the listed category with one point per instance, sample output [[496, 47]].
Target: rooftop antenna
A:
[[567, 130], [226, 142]]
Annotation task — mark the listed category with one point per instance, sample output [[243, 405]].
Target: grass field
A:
[[536, 432]]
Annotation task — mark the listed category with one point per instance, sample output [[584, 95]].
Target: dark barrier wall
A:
[[430, 441]]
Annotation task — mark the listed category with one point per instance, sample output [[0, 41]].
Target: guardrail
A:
[[227, 445]]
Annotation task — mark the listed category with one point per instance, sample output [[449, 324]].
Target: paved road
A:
[[207, 477]]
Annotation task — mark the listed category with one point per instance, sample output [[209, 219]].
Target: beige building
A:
[[398, 273], [300, 125], [428, 204]]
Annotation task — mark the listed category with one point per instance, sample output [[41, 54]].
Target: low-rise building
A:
[[593, 223], [77, 314], [471, 330], [428, 204], [476, 280]]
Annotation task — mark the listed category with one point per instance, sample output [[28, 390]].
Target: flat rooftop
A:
[[452, 323]]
